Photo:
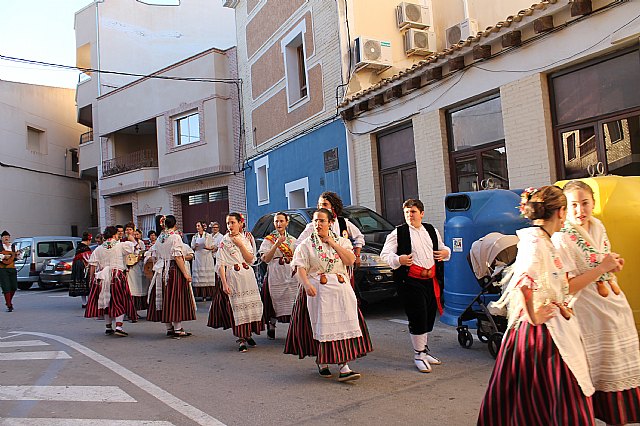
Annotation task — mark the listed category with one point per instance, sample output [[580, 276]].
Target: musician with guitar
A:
[[8, 273]]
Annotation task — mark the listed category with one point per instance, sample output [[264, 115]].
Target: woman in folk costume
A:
[[280, 288], [138, 283], [204, 276], [110, 296], [608, 328], [238, 306], [541, 375], [326, 321], [171, 299], [79, 285]]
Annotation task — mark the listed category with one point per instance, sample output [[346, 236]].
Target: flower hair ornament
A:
[[241, 218], [525, 197]]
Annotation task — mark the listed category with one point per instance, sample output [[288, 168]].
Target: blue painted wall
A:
[[302, 157]]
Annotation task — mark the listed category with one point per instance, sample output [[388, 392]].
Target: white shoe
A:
[[421, 362], [430, 358]]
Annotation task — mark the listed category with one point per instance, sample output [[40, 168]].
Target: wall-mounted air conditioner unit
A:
[[372, 54], [461, 31], [409, 15], [419, 42]]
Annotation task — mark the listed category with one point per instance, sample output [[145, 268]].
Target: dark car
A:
[[58, 271], [373, 278]]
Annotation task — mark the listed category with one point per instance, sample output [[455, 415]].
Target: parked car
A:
[[373, 279], [58, 271], [35, 251]]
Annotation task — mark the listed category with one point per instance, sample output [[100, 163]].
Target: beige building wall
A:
[[261, 26], [40, 194]]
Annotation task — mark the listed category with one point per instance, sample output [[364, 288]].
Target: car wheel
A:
[[25, 286], [45, 286]]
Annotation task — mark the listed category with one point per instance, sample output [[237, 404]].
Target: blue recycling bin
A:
[[469, 217]]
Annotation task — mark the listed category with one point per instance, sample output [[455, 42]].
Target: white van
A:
[[35, 250]]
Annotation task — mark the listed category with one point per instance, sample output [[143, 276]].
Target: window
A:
[[74, 160], [297, 193], [261, 168], [476, 146], [295, 62], [208, 197], [596, 116], [35, 140], [187, 129], [146, 223]]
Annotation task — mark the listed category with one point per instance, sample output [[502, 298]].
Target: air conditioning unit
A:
[[372, 54], [419, 42], [461, 31], [409, 15]]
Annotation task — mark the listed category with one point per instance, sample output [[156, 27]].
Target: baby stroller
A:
[[488, 258]]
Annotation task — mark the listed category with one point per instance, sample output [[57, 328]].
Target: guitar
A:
[[148, 269], [9, 256]]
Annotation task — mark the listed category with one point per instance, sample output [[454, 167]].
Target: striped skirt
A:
[[221, 316], [204, 292], [532, 385], [617, 408], [177, 300], [140, 303], [121, 300], [267, 305], [300, 339]]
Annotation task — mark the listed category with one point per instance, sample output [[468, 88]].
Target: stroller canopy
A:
[[491, 248]]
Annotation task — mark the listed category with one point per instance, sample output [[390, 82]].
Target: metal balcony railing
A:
[[135, 160], [86, 137]]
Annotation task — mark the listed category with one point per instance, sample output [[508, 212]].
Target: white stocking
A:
[[419, 341]]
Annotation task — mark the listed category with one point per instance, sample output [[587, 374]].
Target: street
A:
[[58, 366]]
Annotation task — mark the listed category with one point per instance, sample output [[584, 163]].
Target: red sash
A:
[[420, 273]]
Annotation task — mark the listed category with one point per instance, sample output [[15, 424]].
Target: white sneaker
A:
[[430, 358], [421, 362]]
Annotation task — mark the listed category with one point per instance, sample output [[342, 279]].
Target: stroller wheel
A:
[[495, 340], [465, 339], [484, 338]]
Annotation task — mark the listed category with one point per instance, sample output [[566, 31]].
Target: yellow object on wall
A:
[[617, 205]]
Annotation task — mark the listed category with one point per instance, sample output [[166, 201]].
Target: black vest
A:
[[404, 247]]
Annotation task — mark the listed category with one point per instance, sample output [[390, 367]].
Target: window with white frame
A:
[[297, 193], [295, 61], [261, 168], [187, 129]]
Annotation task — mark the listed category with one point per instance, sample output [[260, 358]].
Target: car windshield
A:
[[369, 221]]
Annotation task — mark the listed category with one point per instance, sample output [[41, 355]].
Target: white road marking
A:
[[11, 336], [19, 343], [79, 422], [64, 393], [18, 356], [165, 397], [399, 321]]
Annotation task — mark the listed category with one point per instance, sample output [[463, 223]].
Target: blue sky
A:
[[41, 30]]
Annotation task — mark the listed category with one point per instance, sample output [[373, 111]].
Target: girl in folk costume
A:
[[326, 321], [280, 288], [238, 305], [79, 285], [204, 276], [606, 319], [341, 226], [138, 283], [110, 296], [541, 375], [170, 298]]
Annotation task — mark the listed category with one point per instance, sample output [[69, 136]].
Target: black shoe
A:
[[242, 347], [10, 309], [109, 331], [180, 333], [251, 342], [171, 332], [271, 332], [120, 332], [351, 375], [325, 372], [84, 306]]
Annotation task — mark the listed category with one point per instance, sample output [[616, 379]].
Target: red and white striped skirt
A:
[[121, 300], [532, 385], [177, 300], [267, 305], [300, 339], [221, 316]]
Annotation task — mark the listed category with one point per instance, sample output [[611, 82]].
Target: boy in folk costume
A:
[[412, 250]]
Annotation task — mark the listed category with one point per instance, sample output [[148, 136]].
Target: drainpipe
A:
[[465, 4], [350, 166]]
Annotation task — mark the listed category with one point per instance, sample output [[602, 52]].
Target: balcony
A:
[[133, 161], [86, 137]]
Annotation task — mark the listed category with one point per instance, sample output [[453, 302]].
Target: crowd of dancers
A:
[[570, 353]]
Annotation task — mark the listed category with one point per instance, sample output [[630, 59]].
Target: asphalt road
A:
[[148, 379]]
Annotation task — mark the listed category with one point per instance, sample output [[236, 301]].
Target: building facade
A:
[[534, 94], [166, 136], [293, 74], [42, 193]]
